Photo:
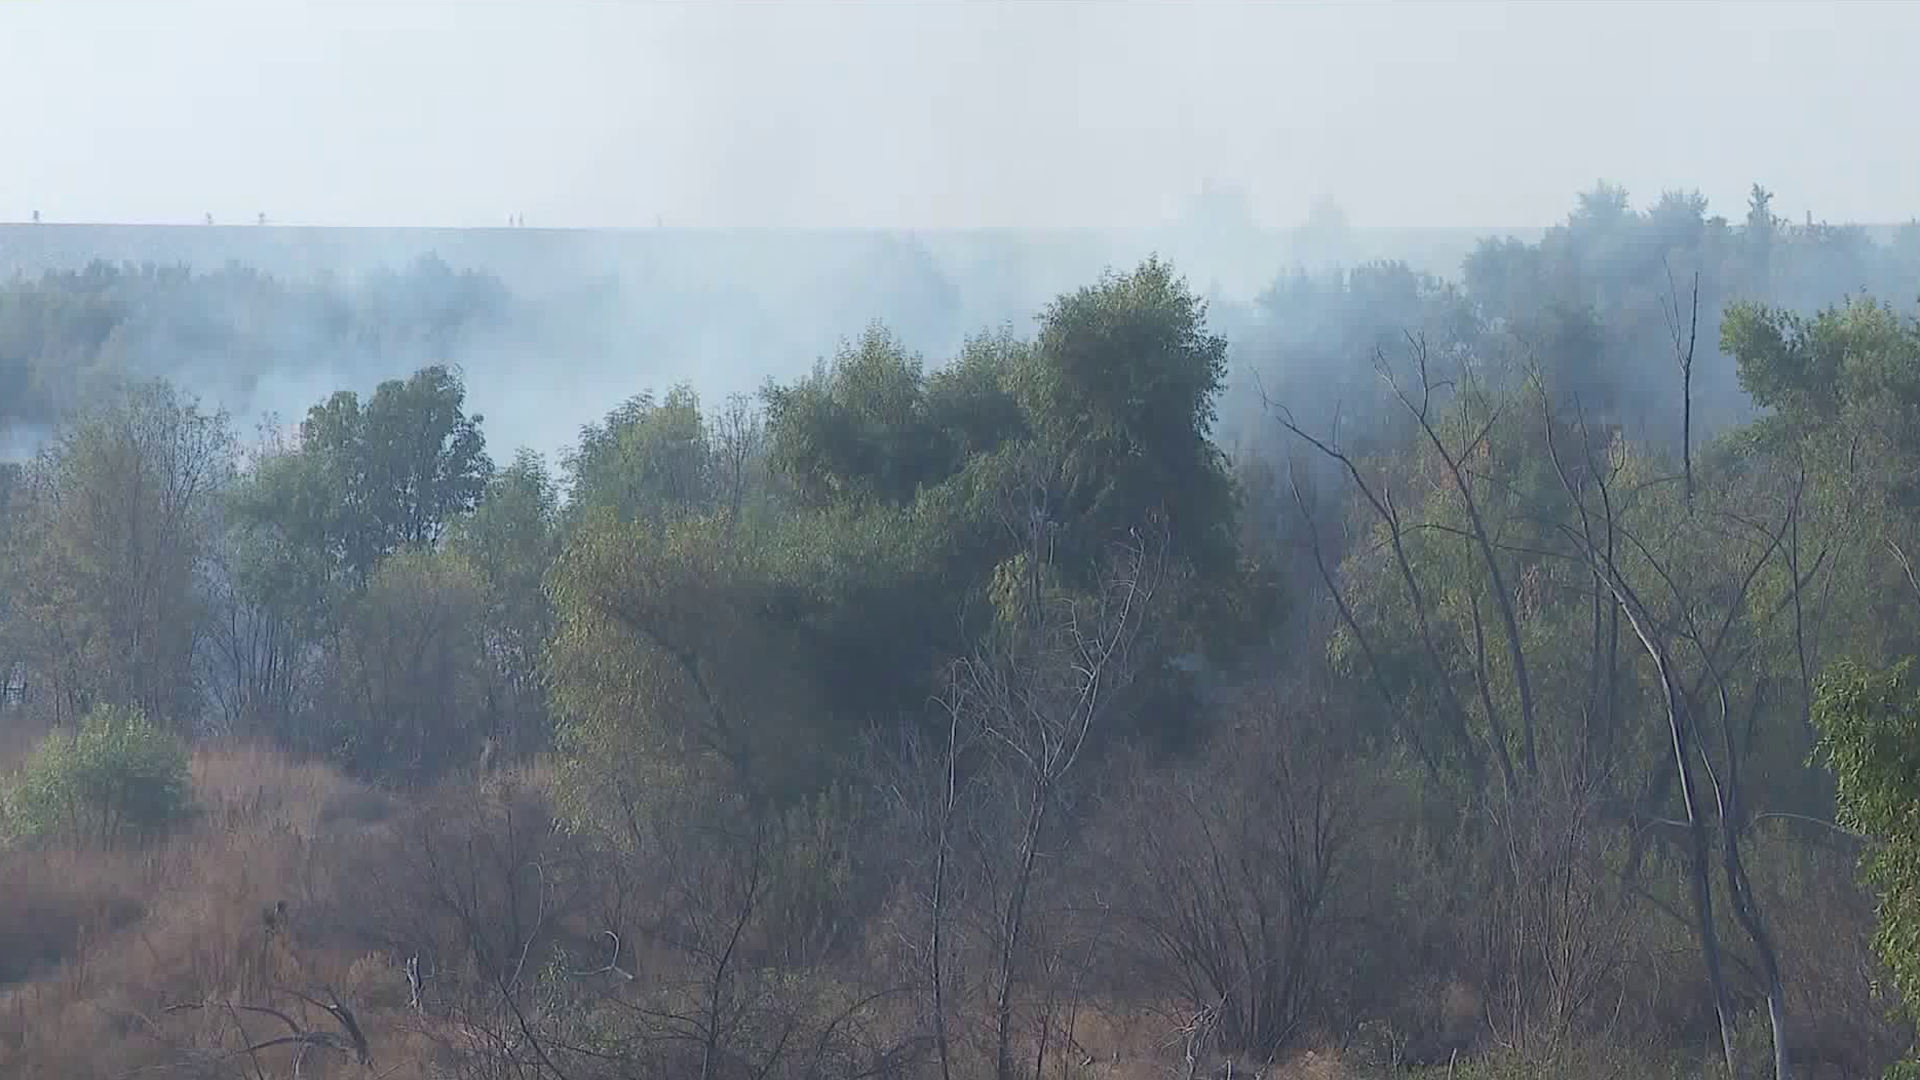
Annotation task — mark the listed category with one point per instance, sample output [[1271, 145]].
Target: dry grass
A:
[[1313, 1065], [249, 783], [1112, 1043], [96, 944], [18, 736], [53, 902]]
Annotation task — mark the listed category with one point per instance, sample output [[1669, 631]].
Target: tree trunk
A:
[[1010, 934]]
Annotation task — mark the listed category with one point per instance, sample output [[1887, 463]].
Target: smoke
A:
[[19, 442], [551, 328]]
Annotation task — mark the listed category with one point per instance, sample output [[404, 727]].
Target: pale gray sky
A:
[[943, 114]]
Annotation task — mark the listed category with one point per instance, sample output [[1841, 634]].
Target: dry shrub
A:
[[469, 878], [20, 732], [53, 901], [102, 942], [1109, 1039], [95, 944], [1555, 928], [240, 782], [1823, 924], [1313, 1065], [1235, 877], [375, 981]]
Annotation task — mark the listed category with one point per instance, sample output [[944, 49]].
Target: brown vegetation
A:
[[297, 881]]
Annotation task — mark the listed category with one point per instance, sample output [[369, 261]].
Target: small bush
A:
[[118, 774]]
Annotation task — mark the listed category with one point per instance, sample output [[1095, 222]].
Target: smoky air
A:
[[767, 542]]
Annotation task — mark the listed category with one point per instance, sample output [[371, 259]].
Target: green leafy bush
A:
[[1869, 722], [119, 774]]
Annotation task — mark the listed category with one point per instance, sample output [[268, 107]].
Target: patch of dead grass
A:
[[96, 944]]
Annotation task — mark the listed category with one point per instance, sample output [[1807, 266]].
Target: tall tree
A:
[[404, 465], [649, 459], [404, 692], [10, 474], [1122, 388], [277, 588], [857, 430], [113, 525], [511, 540]]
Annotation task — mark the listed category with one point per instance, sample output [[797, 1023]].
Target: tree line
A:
[[1508, 689]]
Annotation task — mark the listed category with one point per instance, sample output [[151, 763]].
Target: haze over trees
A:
[[1499, 676]]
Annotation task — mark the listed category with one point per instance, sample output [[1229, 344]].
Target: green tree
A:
[[648, 459], [9, 479], [307, 530], [402, 467], [858, 429], [512, 540], [676, 654], [1869, 723], [915, 489], [1121, 392], [112, 533], [1841, 390], [276, 590], [1534, 586], [404, 696]]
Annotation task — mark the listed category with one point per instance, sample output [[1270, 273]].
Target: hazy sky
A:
[[943, 114]]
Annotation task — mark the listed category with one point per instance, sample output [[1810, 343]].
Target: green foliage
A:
[[913, 489], [9, 479], [1121, 394], [511, 540], [734, 614], [117, 775], [285, 515], [108, 543], [674, 650], [1869, 724], [970, 401], [647, 459], [1843, 392], [1817, 368], [1110, 409], [860, 429], [10, 474], [309, 531], [399, 470], [404, 692]]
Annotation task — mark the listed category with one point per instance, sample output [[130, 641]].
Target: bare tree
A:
[[1678, 577], [927, 780], [1422, 410], [1225, 870], [301, 1038], [1379, 497], [740, 446], [1671, 614], [1052, 674]]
